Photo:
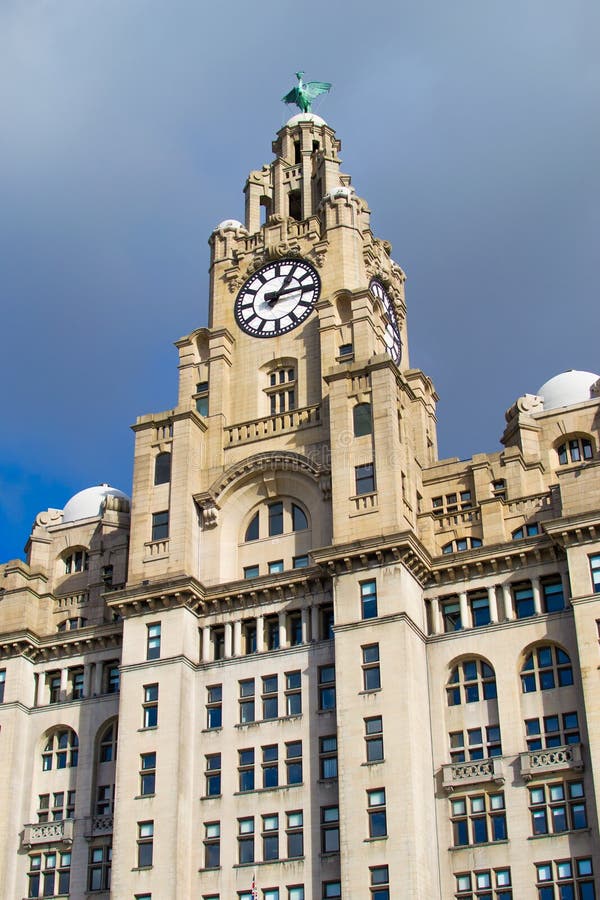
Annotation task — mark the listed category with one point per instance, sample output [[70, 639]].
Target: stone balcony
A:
[[477, 771], [259, 429], [48, 833], [536, 763]]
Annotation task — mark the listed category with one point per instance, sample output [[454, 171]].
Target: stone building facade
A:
[[309, 659]]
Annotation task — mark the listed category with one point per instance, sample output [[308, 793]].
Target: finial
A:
[[304, 94]]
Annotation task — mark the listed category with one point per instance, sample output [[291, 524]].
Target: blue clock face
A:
[[277, 298], [393, 341]]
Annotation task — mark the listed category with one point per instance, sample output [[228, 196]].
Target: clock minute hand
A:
[[273, 296]]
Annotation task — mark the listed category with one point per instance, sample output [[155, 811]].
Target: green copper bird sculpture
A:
[[304, 94]]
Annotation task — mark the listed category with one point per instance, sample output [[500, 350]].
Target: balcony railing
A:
[[476, 771], [258, 429], [49, 832], [553, 759]]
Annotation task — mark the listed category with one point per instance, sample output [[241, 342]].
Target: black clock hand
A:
[[273, 296]]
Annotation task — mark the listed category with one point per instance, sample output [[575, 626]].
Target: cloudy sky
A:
[[128, 127]]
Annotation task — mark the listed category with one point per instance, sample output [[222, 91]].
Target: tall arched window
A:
[[545, 668], [276, 518], [106, 755], [470, 681], [162, 468], [362, 419], [108, 744], [575, 449], [61, 750]]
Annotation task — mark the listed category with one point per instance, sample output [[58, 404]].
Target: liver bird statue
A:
[[304, 93]]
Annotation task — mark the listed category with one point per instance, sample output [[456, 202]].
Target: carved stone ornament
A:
[[528, 404], [49, 517], [209, 510], [595, 389]]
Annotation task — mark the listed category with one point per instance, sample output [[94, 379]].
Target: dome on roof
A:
[[229, 225], [306, 117], [90, 503], [568, 388]]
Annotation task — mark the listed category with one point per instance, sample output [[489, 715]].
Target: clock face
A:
[[393, 340], [277, 298]]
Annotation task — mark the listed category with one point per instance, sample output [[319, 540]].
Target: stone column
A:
[[97, 682], [314, 623], [206, 644], [436, 618], [465, 618], [304, 624], [260, 634], [228, 640], [283, 639], [88, 676], [237, 638], [537, 594], [493, 603], [509, 610]]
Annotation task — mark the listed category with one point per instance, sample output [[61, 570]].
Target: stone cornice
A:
[[59, 645], [355, 556], [577, 529], [493, 560]]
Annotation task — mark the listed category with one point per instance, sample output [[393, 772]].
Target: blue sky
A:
[[128, 130]]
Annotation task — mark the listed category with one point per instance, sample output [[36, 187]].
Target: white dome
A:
[[89, 504], [306, 117], [229, 225], [567, 388]]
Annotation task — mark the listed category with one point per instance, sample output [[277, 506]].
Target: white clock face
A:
[[393, 340], [277, 298]]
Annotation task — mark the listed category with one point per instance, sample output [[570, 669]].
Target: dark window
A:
[[270, 766], [328, 761], [553, 599], [250, 572], [374, 739], [213, 774], [99, 867], [451, 615], [370, 667], [471, 681], [557, 807], [295, 837], [376, 813], [147, 773], [275, 518], [150, 705], [299, 520], [160, 526], [247, 705], [365, 478], [246, 769], [214, 706], [380, 883], [212, 845], [162, 468], [245, 840], [368, 599], [478, 819], [252, 531], [330, 830], [269, 697], [595, 570], [523, 599], [545, 668], [293, 693], [552, 731], [362, 421], [293, 762], [480, 609], [270, 837], [145, 844], [153, 641], [326, 687]]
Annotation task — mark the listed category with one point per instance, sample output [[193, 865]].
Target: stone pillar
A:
[[537, 594], [97, 683], [283, 638], [436, 619], [493, 603], [36, 688], [314, 623], [260, 634], [64, 684], [88, 676], [304, 624], [465, 618], [509, 610], [566, 589], [228, 640], [206, 655]]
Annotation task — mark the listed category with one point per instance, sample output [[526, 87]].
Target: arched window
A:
[[362, 419], [460, 544], [252, 531], [470, 681], [162, 468], [108, 744], [61, 750], [545, 668], [76, 561], [575, 450], [299, 520], [525, 531]]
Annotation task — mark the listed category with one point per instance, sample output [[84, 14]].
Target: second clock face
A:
[[392, 333], [277, 298]]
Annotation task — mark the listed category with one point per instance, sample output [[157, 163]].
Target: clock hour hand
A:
[[273, 296]]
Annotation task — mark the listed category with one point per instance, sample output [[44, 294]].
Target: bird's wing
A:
[[292, 96], [313, 88]]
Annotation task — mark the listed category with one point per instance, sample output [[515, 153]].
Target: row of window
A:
[[541, 733], [564, 879], [545, 668], [551, 600], [286, 627]]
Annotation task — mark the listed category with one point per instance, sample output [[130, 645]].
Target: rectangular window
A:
[[275, 567], [364, 477], [572, 878], [485, 884], [293, 762], [450, 610], [475, 743], [270, 766], [160, 526], [99, 866], [272, 633], [523, 600], [249, 636], [296, 892], [270, 837], [53, 681], [330, 829], [145, 844], [331, 889], [250, 572], [76, 678], [326, 687], [214, 706], [478, 819], [2, 684], [552, 731], [111, 678], [212, 774], [557, 807], [212, 845], [153, 641], [376, 813], [300, 562], [246, 840], [150, 705], [368, 599], [370, 667], [327, 622], [295, 834], [246, 769], [328, 761], [217, 639], [201, 397], [104, 799], [269, 697], [553, 598], [275, 518], [294, 623], [480, 609], [374, 738], [293, 693], [147, 773], [247, 707], [595, 572], [380, 883]]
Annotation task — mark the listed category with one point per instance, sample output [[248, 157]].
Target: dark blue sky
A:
[[129, 127]]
